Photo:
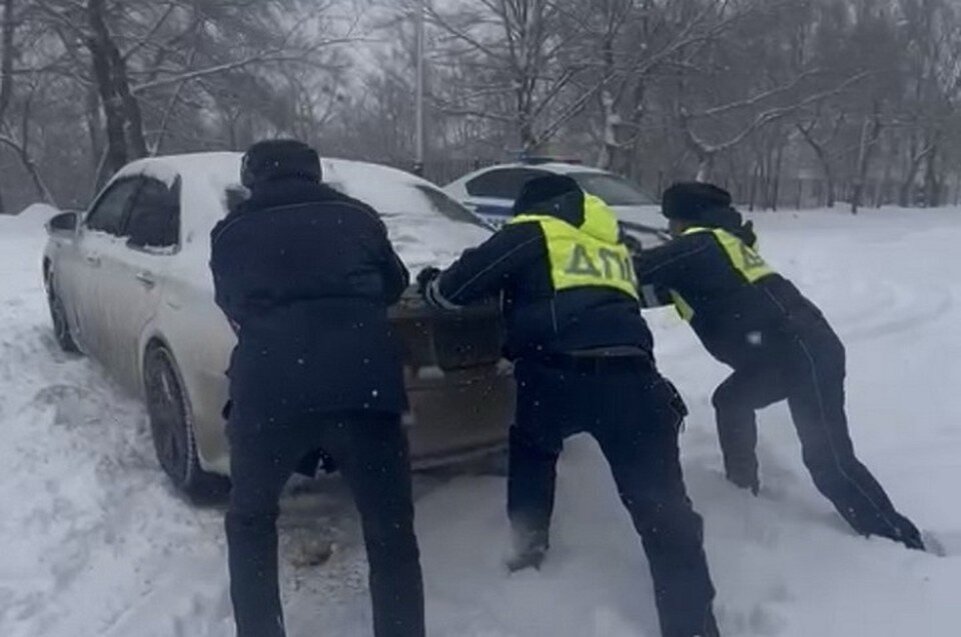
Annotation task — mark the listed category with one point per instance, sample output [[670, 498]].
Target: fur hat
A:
[[689, 201], [279, 158], [557, 195]]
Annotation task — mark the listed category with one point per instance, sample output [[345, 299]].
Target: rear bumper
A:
[[458, 415], [454, 417]]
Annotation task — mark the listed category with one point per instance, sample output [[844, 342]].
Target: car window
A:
[[614, 190], [154, 220], [108, 213], [505, 183], [446, 206]]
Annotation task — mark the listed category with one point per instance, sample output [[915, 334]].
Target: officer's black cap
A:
[[278, 159], [558, 195], [689, 201]]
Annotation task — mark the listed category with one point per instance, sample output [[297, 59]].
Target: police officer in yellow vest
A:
[[779, 345], [583, 363]]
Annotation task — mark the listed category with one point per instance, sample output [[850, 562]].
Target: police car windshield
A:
[[614, 190]]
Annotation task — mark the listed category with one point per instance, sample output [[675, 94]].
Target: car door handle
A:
[[146, 279], [93, 260]]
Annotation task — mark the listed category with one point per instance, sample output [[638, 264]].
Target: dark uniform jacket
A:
[[305, 275], [541, 320], [740, 322]]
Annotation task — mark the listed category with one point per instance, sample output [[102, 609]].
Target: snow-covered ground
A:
[[93, 542]]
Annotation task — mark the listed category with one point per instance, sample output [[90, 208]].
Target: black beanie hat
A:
[[688, 201], [278, 158], [555, 195]]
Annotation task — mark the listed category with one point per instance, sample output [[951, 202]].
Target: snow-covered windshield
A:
[[426, 226], [410, 199], [614, 190]]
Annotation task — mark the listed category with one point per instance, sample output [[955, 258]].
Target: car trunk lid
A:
[[448, 341]]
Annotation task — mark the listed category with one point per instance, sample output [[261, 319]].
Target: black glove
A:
[[426, 277], [632, 243]]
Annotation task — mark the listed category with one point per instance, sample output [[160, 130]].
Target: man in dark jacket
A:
[[305, 275], [779, 345], [583, 363]]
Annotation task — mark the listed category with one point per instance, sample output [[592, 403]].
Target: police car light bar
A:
[[534, 160]]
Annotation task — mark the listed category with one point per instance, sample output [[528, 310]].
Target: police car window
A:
[[504, 183], [154, 220], [108, 213], [614, 190], [446, 206]]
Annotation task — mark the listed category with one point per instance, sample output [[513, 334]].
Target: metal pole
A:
[[419, 97]]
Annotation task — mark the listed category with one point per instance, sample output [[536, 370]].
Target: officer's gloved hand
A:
[[426, 277], [632, 243]]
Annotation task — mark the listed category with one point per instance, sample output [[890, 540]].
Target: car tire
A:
[[172, 430], [58, 317]]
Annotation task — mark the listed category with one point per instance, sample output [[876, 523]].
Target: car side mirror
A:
[[64, 222]]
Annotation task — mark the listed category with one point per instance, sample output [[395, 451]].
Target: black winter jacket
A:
[[305, 275], [514, 261], [739, 323]]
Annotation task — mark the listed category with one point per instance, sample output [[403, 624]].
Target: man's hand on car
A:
[[632, 243], [426, 277]]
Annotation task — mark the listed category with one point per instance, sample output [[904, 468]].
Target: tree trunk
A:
[[756, 174], [906, 191], [830, 185], [882, 193], [94, 124], [827, 168], [6, 58], [870, 133], [109, 101], [6, 67], [932, 180], [43, 193], [704, 167], [131, 107], [778, 165], [120, 107]]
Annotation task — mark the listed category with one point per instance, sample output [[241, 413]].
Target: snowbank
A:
[[31, 218], [94, 543]]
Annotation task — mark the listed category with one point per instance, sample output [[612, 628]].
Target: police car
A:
[[490, 193]]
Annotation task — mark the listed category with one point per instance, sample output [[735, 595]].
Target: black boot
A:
[[710, 626], [529, 551], [909, 535], [745, 481]]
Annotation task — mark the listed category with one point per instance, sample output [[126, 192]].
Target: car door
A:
[[133, 276], [491, 195], [99, 234]]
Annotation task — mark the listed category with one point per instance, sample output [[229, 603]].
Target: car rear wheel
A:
[[58, 316], [172, 430]]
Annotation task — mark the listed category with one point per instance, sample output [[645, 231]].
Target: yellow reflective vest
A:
[[587, 256], [743, 258]]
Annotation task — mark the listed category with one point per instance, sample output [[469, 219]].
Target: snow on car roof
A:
[[425, 225]]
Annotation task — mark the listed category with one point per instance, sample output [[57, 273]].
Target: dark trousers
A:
[[809, 372], [372, 454], [635, 415]]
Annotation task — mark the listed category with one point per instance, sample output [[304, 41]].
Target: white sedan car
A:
[[490, 194], [129, 285]]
